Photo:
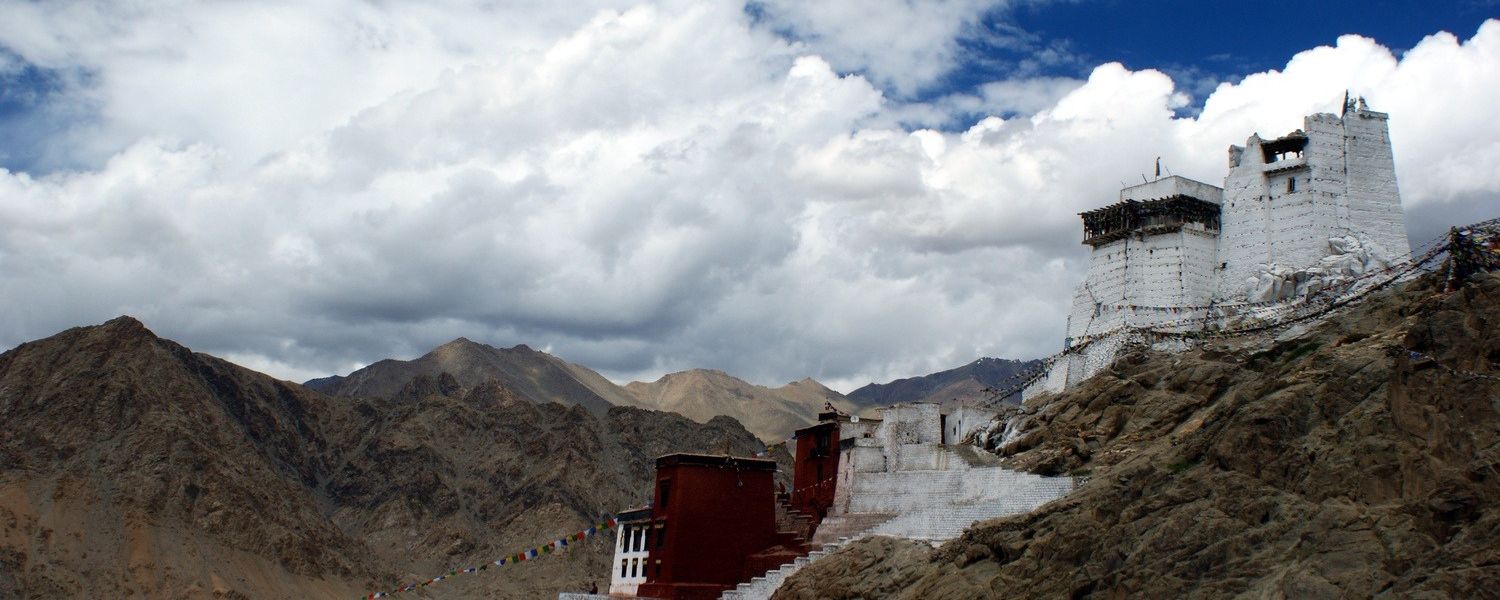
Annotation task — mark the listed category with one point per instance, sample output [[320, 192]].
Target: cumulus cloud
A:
[[899, 44], [637, 188]]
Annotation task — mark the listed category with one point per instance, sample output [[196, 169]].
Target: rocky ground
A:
[[131, 466], [1329, 463]]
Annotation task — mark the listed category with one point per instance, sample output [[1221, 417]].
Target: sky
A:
[[854, 191]]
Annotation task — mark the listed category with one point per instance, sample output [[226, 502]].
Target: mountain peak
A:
[[126, 327], [460, 342], [125, 323], [461, 346]]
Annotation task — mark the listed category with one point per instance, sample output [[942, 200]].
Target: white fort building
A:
[[1298, 214]]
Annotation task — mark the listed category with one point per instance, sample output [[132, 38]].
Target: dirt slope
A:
[[1329, 464]]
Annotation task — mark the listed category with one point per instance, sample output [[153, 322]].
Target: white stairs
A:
[[761, 588], [932, 506]]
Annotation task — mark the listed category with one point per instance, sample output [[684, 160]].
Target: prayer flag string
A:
[[557, 545]]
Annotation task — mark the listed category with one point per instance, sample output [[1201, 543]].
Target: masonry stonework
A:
[[1300, 213]]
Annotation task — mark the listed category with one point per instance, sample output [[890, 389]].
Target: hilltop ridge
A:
[[771, 413], [1356, 458], [535, 375]]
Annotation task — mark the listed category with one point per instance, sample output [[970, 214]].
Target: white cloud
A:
[[900, 44], [641, 188]]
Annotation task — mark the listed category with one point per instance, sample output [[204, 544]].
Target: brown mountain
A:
[[534, 375], [1356, 459], [770, 413], [133, 467], [949, 388]]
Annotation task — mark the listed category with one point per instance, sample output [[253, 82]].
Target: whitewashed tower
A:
[[1284, 199], [1153, 251], [1312, 209]]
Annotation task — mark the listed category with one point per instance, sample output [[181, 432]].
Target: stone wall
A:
[[1277, 215], [1284, 212], [965, 420], [1375, 211]]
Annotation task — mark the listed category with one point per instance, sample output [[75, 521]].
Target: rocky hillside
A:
[[133, 467], [966, 383], [771, 413], [534, 375], [1358, 458]]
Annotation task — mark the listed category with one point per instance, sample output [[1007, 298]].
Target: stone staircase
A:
[[933, 506], [761, 588], [945, 522], [842, 527], [791, 520]]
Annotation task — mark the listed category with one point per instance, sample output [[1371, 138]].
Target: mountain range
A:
[[771, 413], [132, 466], [537, 376], [699, 394]]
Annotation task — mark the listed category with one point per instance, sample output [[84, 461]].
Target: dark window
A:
[[665, 492], [624, 564], [661, 536], [1291, 184], [648, 539]]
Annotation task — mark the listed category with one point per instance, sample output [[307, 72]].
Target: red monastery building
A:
[[817, 467], [713, 525]]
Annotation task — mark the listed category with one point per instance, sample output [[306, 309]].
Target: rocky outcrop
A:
[[1357, 458], [131, 466]]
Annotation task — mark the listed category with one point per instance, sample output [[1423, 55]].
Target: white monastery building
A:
[[1298, 214]]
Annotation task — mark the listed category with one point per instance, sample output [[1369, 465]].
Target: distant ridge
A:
[[950, 387], [534, 375], [770, 413]]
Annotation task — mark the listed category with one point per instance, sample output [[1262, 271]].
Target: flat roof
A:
[[716, 460], [631, 515], [810, 428]]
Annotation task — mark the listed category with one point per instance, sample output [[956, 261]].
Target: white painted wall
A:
[[628, 570], [1344, 184], [965, 420]]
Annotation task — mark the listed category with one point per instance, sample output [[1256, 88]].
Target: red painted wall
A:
[[817, 465], [716, 511]]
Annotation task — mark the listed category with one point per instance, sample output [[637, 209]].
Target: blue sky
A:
[[1227, 40], [849, 190]]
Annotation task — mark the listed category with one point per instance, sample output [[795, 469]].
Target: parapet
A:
[[1173, 185]]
